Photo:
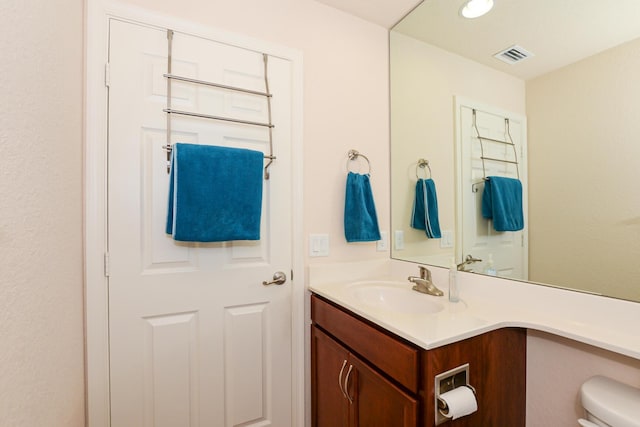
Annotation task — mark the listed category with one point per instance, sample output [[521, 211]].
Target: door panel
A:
[[195, 338], [171, 369], [242, 373]]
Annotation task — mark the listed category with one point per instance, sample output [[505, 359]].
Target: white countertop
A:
[[486, 303]]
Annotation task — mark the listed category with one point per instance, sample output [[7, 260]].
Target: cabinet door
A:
[[328, 359], [376, 401]]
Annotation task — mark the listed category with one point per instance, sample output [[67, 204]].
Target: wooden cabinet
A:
[[329, 360], [363, 375], [497, 370], [348, 392]]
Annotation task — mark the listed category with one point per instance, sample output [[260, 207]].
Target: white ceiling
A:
[[557, 32], [382, 12]]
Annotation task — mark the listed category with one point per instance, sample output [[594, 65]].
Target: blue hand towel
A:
[[425, 209], [215, 193], [360, 219], [502, 202]]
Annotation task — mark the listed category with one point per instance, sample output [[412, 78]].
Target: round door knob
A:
[[278, 279]]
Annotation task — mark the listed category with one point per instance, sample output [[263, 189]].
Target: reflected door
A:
[[195, 337], [476, 235]]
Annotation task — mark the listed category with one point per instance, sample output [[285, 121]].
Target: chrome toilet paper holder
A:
[[447, 381]]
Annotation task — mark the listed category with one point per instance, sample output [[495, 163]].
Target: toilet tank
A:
[[615, 403]]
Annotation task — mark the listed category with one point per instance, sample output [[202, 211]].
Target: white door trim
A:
[[97, 15]]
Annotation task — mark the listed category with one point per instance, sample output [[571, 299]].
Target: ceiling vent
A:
[[513, 54]]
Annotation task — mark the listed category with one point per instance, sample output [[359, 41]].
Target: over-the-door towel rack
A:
[[481, 138], [170, 77]]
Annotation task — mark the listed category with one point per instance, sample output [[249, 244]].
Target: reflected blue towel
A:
[[360, 219], [502, 202], [425, 209], [215, 193]]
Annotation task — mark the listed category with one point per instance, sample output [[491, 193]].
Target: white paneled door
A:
[[195, 338], [509, 249]]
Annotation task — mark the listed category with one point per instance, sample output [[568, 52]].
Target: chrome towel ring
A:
[[353, 156], [422, 163]]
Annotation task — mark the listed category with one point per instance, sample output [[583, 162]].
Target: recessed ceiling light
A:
[[476, 8]]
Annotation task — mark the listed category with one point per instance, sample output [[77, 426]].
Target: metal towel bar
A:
[[207, 116], [170, 77], [218, 85]]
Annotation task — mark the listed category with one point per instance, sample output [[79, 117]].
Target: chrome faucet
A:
[[468, 260], [424, 284]]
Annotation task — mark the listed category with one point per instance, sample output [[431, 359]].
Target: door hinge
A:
[[106, 264], [107, 74]]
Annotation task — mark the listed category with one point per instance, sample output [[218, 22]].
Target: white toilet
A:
[[609, 403]]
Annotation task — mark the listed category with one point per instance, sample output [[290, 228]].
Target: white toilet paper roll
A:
[[460, 401]]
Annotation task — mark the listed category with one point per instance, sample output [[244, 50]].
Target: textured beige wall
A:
[[557, 367], [425, 80], [584, 211], [41, 289], [583, 131]]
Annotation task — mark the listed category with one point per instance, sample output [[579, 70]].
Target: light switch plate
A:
[[383, 244], [318, 245], [446, 241], [398, 240]]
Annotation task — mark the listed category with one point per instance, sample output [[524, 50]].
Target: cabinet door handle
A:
[[340, 378], [346, 383]]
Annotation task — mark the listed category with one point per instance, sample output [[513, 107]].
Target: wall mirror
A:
[[572, 98]]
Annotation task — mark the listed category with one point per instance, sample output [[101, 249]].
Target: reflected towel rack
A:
[[507, 132], [422, 163], [170, 77]]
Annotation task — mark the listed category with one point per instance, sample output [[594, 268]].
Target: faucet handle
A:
[[425, 273], [471, 259]]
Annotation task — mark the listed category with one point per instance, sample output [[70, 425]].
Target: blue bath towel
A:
[[502, 202], [215, 193], [360, 219], [425, 209]]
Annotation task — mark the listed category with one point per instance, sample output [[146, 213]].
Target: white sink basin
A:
[[394, 296]]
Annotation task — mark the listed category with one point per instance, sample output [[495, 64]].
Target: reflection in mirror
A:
[[490, 149], [575, 101]]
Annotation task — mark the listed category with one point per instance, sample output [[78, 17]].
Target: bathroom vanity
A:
[[364, 375], [368, 310]]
